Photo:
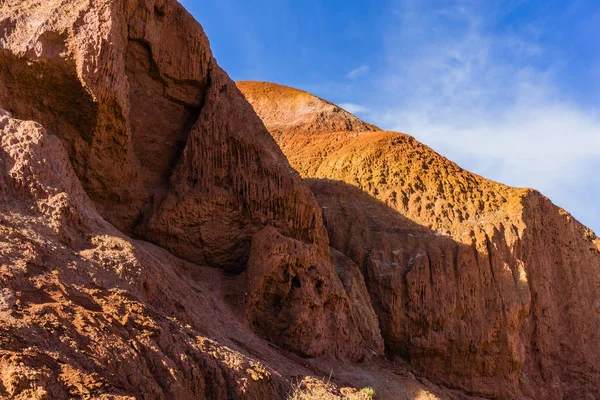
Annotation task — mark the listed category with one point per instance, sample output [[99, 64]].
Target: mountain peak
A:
[[283, 107]]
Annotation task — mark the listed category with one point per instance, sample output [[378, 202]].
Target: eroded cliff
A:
[[118, 129], [482, 287], [152, 125], [155, 242]]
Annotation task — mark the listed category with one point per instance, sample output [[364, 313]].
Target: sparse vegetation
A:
[[312, 390], [319, 389], [368, 391]]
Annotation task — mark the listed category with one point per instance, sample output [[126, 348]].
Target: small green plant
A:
[[368, 391]]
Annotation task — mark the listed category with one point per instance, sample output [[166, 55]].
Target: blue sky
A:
[[509, 89]]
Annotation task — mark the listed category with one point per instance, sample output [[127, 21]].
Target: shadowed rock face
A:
[[480, 286], [296, 300]]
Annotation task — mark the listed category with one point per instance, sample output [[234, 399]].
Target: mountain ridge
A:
[[482, 239]]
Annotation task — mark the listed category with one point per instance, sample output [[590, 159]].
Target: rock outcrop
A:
[[159, 136], [89, 313], [156, 243], [481, 287], [297, 301], [118, 129]]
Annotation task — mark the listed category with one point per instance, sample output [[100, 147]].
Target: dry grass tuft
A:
[[318, 389]]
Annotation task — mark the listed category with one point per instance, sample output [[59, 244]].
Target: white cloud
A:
[[355, 108], [357, 72], [531, 143], [480, 100]]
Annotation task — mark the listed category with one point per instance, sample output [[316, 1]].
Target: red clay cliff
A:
[[479, 286], [156, 243]]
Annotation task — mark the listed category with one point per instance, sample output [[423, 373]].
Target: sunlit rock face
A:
[[482, 287]]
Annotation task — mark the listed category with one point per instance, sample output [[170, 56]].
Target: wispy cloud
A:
[[355, 108], [357, 72], [482, 100]]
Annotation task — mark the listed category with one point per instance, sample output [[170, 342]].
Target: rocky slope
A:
[[155, 242], [479, 286], [88, 312], [129, 164]]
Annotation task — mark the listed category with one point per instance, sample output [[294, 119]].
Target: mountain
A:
[[157, 243], [130, 164], [479, 286]]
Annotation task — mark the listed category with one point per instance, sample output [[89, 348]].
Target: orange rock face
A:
[[88, 312], [159, 136], [116, 123], [156, 243], [481, 287], [296, 300]]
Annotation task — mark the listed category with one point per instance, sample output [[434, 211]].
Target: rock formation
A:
[[481, 287], [90, 313], [157, 133], [118, 129], [156, 243]]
